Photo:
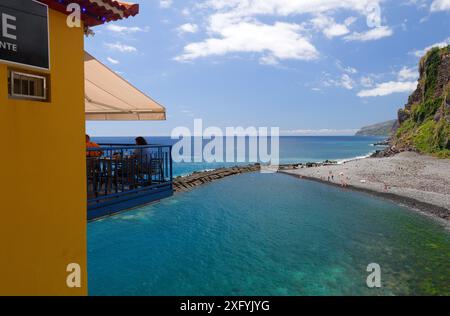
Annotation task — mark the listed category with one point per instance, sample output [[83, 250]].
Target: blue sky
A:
[[322, 67]]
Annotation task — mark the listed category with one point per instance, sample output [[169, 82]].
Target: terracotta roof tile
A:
[[97, 12]]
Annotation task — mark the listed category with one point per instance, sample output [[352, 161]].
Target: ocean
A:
[[293, 149]]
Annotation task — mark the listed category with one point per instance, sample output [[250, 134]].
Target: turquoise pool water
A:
[[260, 234]]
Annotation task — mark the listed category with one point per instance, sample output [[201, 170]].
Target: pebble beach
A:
[[418, 181]]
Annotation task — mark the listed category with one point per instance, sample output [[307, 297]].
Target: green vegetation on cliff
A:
[[425, 121]]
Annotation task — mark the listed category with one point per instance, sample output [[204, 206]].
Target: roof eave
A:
[[95, 14]]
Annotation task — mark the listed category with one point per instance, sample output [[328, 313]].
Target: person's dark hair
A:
[[140, 141]]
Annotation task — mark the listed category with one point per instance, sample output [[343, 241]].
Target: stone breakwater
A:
[[182, 184]]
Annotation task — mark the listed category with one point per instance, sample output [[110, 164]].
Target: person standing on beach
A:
[[342, 175]]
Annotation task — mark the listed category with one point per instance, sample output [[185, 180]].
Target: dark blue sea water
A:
[[268, 234], [292, 150]]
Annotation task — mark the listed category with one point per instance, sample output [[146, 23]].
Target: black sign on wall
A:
[[24, 37]]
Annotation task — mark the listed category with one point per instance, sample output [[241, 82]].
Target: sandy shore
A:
[[420, 182]]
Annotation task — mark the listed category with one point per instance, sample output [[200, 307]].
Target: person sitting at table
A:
[[90, 145], [149, 159], [140, 141], [142, 152]]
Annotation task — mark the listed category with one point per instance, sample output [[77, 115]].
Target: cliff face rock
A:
[[443, 77], [424, 122], [381, 129], [403, 115]]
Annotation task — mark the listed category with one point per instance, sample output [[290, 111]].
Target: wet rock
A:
[[388, 152]]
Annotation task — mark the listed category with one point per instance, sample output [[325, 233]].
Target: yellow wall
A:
[[42, 176]]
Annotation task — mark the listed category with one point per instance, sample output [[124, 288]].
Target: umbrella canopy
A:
[[109, 97]]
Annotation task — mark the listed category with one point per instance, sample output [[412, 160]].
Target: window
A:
[[27, 86]]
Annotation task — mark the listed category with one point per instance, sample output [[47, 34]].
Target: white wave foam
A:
[[342, 161]]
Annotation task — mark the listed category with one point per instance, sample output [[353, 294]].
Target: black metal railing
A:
[[116, 170]]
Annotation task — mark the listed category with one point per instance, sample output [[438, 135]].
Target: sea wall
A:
[[182, 184]]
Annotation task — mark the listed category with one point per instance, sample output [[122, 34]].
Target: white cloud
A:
[[422, 52], [288, 7], [421, 4], [343, 81], [329, 27], [350, 20], [113, 61], [336, 30], [186, 12], [387, 88], [440, 5], [235, 26], [347, 82], [188, 28], [276, 42], [123, 48], [366, 82], [347, 69], [125, 29], [408, 74], [371, 35], [165, 4], [406, 81], [268, 60]]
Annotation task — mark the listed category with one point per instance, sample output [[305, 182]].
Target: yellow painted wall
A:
[[42, 176]]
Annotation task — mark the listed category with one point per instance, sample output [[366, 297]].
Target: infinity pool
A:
[[260, 234]]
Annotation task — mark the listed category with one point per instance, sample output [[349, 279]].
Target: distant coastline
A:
[[385, 129]]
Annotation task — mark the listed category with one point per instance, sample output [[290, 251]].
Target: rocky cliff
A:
[[424, 123], [382, 129]]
